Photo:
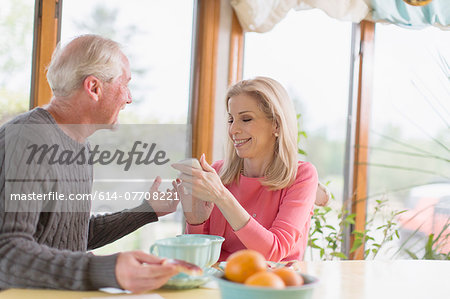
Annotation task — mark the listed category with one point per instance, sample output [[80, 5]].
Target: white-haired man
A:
[[46, 248]]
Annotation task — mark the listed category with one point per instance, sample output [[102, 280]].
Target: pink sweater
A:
[[280, 220]]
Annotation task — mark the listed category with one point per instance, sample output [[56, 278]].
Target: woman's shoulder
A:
[[306, 179], [305, 171]]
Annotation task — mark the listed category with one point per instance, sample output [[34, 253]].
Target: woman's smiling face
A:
[[250, 130]]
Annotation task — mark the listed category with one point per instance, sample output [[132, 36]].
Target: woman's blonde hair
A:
[[275, 103]]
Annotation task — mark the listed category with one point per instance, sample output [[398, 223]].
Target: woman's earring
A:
[[276, 135]]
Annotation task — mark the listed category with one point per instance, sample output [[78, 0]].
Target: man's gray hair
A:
[[84, 56]]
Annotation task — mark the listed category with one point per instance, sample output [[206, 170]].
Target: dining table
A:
[[377, 279]]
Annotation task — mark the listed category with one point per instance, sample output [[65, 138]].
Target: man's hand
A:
[[138, 272], [165, 203]]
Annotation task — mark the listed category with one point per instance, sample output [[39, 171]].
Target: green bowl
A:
[[233, 290], [216, 244]]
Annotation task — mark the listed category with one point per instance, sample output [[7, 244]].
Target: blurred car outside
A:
[[428, 213]]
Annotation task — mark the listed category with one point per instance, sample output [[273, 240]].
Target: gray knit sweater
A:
[[46, 248]]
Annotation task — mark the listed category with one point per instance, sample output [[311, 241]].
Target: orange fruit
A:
[[244, 263], [289, 276], [417, 2], [265, 279]]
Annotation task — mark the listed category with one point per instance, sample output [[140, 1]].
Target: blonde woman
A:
[[260, 196]]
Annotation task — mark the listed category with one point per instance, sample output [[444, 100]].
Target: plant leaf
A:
[[339, 255], [302, 152], [356, 244], [411, 254]]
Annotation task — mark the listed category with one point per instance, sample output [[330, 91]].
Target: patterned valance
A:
[[262, 15]]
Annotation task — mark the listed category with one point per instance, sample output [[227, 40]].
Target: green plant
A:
[[389, 230], [299, 135], [432, 248], [327, 239]]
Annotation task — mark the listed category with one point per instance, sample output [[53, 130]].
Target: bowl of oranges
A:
[[246, 275]]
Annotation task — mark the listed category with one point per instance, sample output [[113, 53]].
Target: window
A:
[[156, 37], [16, 40], [409, 146], [309, 53]]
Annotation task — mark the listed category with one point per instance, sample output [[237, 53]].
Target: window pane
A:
[[156, 36], [410, 135], [16, 46], [309, 53]]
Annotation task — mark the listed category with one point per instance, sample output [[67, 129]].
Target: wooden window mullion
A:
[[46, 37], [357, 155], [203, 85], [236, 61]]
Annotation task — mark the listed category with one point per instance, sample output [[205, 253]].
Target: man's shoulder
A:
[[34, 116], [29, 126]]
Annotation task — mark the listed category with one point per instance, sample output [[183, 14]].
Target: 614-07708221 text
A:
[[97, 195]]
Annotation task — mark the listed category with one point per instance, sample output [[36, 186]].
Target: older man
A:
[[45, 247]]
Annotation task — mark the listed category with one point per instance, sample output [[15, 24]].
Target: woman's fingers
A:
[[181, 167], [205, 165], [186, 178], [186, 185], [201, 182], [179, 189], [186, 169]]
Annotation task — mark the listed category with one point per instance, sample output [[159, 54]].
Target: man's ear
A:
[[93, 87]]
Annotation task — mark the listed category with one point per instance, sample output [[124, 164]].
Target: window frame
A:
[[47, 33]]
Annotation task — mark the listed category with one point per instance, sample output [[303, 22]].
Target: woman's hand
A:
[[205, 184], [195, 211]]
